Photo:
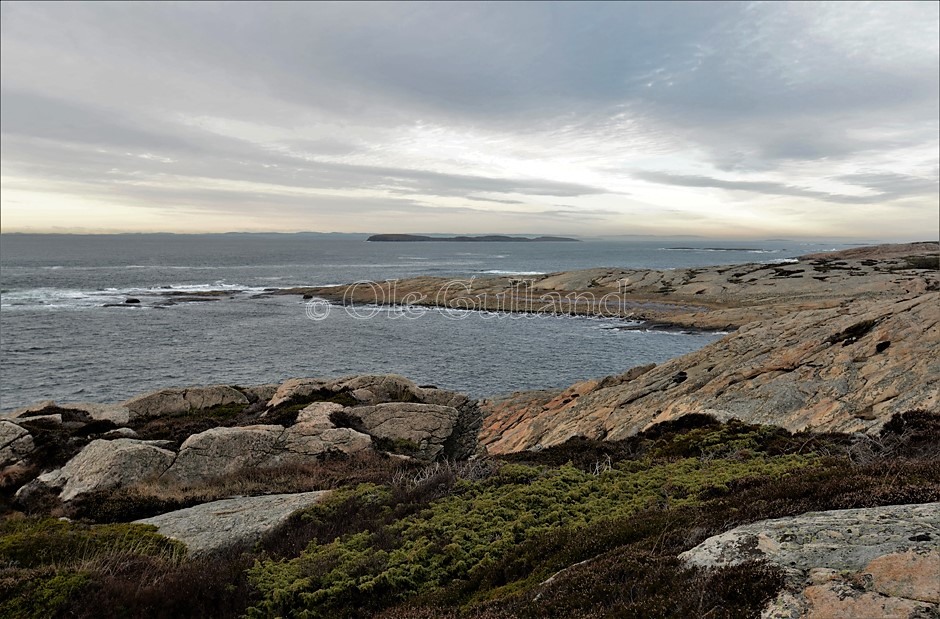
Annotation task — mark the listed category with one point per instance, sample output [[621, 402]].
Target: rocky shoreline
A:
[[373, 496]]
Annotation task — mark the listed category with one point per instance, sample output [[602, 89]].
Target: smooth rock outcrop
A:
[[182, 400], [845, 369], [15, 443], [105, 464], [859, 563], [422, 428], [238, 522], [712, 297]]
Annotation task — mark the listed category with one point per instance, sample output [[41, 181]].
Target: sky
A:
[[729, 120]]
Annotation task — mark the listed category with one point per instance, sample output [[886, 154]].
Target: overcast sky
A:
[[727, 120]]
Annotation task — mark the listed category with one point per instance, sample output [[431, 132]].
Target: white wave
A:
[[59, 298], [500, 272], [782, 261], [723, 249]]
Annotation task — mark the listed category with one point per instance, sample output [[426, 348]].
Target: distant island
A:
[[489, 238]]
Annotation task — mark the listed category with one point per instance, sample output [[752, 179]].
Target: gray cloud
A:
[[887, 186], [330, 96]]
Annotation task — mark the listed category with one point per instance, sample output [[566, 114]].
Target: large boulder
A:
[[176, 401], [220, 451], [105, 464], [15, 443], [872, 562], [421, 429], [238, 522]]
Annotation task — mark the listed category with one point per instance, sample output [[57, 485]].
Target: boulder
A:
[[420, 428], [15, 443], [238, 522], [859, 563], [845, 539], [441, 437], [295, 389], [105, 464], [116, 413], [303, 442], [374, 389], [176, 401], [220, 451], [259, 393]]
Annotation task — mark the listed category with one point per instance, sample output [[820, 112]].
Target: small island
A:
[[489, 238]]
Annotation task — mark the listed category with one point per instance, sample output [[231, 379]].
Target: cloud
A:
[[886, 186], [498, 105]]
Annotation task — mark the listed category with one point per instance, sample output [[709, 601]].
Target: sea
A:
[[67, 334]]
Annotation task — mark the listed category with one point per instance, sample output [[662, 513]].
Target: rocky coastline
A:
[[789, 469]]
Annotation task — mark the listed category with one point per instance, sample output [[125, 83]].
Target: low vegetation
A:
[[585, 529]]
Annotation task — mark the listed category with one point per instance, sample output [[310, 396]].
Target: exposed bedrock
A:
[[844, 369]]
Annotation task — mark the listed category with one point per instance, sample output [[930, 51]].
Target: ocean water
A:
[[60, 340]]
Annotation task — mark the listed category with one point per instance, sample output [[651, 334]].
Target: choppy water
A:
[[58, 340]]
